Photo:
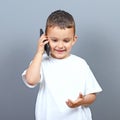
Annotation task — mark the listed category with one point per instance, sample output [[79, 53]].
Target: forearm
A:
[[33, 72], [89, 99]]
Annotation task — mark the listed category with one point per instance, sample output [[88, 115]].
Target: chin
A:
[[58, 56]]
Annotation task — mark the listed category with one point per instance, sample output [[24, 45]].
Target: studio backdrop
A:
[[98, 30]]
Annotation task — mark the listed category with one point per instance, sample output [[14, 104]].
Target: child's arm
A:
[[82, 100], [33, 72]]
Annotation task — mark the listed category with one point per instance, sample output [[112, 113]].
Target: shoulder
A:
[[78, 59]]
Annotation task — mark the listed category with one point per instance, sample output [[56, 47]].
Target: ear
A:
[[74, 39]]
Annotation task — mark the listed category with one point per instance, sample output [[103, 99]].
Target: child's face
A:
[[61, 41]]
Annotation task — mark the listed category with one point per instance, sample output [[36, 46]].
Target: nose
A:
[[60, 44]]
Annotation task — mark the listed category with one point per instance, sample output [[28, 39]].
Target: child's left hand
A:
[[76, 103]]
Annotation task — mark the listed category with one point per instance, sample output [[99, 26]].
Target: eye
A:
[[54, 40], [66, 40]]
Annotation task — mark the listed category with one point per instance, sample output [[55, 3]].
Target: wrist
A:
[[37, 57], [39, 54], [84, 101], [88, 99]]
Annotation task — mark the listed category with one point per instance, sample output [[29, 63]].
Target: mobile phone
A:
[[46, 47]]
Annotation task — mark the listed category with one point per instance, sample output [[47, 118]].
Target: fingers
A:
[[80, 95], [43, 39], [75, 103], [70, 103], [41, 43]]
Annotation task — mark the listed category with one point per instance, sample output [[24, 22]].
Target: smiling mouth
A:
[[60, 51]]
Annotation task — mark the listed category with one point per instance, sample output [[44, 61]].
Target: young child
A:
[[67, 85]]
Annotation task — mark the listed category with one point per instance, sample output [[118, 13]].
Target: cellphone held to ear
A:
[[47, 48]]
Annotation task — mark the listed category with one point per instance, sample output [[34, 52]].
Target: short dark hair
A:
[[61, 19]]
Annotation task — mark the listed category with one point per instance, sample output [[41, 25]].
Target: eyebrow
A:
[[58, 38], [52, 37]]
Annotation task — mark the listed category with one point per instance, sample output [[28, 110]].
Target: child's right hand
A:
[[41, 43]]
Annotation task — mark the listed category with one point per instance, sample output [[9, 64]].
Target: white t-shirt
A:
[[63, 79]]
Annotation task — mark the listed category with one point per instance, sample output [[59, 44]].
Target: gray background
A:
[[98, 27]]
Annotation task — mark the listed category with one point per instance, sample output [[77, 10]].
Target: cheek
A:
[[52, 45], [69, 46]]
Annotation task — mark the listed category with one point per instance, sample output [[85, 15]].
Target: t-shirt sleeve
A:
[[28, 85], [24, 80], [91, 84]]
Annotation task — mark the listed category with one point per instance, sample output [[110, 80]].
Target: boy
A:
[[67, 85]]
